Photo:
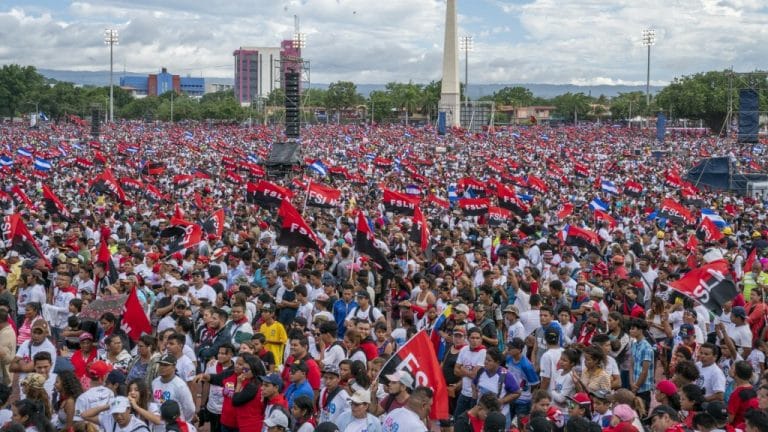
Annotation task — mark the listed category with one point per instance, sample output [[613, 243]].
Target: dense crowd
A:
[[251, 333]]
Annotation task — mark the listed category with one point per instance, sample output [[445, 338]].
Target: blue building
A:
[[157, 84]]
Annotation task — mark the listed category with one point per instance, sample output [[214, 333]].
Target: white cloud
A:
[[366, 41]]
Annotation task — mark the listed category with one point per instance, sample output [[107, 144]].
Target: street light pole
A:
[[649, 38], [466, 45], [110, 38]]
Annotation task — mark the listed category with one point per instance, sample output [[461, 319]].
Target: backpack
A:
[[499, 334], [370, 313]]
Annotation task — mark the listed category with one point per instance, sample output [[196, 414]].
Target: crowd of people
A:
[[533, 332]]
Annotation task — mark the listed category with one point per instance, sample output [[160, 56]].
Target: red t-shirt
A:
[[738, 407], [476, 423], [313, 372]]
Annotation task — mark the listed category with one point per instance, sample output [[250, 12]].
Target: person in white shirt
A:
[[96, 396], [167, 386], [333, 400], [515, 328], [333, 351], [550, 359], [25, 354], [357, 417], [469, 361], [740, 333], [185, 369], [408, 418], [712, 378]]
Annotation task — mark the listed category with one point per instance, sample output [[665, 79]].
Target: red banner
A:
[[418, 358], [135, 322]]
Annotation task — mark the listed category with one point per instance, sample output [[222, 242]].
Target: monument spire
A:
[[449, 91]]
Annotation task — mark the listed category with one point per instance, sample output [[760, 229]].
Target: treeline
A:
[[703, 96]]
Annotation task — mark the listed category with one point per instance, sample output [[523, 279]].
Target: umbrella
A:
[[112, 303]]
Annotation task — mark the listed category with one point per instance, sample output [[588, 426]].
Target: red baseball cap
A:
[[581, 398], [99, 369]]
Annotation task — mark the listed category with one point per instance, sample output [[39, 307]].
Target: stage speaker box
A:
[[95, 122], [749, 116], [292, 105]]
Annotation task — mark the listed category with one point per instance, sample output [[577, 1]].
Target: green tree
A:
[[516, 96], [570, 105], [140, 109], [628, 105], [342, 95], [178, 107], [20, 86], [380, 105], [406, 97], [276, 97]]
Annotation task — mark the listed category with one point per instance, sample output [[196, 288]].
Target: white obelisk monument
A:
[[449, 92]]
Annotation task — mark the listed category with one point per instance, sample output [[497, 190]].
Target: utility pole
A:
[[649, 38], [466, 45], [110, 38]]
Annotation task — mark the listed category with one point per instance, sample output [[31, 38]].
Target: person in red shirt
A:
[[368, 345], [473, 420], [743, 398], [82, 358], [300, 352]]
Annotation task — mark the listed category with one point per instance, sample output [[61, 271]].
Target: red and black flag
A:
[[583, 237], [474, 206], [601, 216], [537, 184], [83, 163], [214, 224], [633, 188], [106, 183], [365, 243], [383, 162], [580, 170], [419, 230], [181, 235], [443, 203], [708, 231], [6, 202], [564, 211], [709, 284], [182, 180], [508, 199], [475, 187], [131, 184], [153, 194], [17, 237], [53, 204], [498, 216], [19, 197], [266, 194], [233, 177], [104, 256], [401, 203], [294, 231], [676, 213], [153, 168], [338, 172], [672, 179], [322, 196]]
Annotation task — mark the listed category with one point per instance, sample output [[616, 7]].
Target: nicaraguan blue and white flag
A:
[[63, 151], [6, 161], [348, 139], [43, 117], [24, 152], [319, 168], [525, 197], [42, 164], [598, 204], [77, 146], [652, 215], [370, 156], [188, 135], [609, 187], [515, 135], [714, 217], [412, 189], [252, 158], [132, 149], [452, 195]]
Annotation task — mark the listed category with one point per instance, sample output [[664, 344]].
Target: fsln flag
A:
[[294, 231], [418, 358], [365, 243], [709, 284]]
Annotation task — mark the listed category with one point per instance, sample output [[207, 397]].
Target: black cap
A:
[[327, 427], [363, 293], [665, 409], [167, 359], [718, 411], [495, 422], [170, 410], [299, 366], [517, 343]]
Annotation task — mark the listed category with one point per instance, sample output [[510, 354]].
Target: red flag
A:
[[214, 225], [365, 243], [177, 211], [438, 201], [135, 321], [294, 231], [20, 197], [397, 202], [708, 231], [498, 216], [675, 212], [322, 196], [418, 358], [104, 256], [17, 237], [182, 180], [709, 284], [692, 244], [602, 216], [537, 184], [474, 206], [633, 188], [565, 211], [750, 260], [420, 230], [53, 204], [266, 194]]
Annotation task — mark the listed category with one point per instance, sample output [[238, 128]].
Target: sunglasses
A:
[[246, 370]]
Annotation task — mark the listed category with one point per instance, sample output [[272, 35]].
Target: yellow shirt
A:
[[276, 339]]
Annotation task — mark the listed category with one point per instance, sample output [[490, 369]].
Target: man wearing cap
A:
[[38, 342], [98, 394], [333, 398], [398, 390], [271, 388], [357, 417], [512, 320], [117, 416], [299, 385], [664, 418], [276, 422], [471, 358], [741, 334], [364, 310], [168, 386], [199, 290]]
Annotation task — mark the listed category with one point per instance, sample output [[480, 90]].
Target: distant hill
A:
[[101, 78]]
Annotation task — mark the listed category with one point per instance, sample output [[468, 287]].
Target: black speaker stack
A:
[[95, 122], [292, 103]]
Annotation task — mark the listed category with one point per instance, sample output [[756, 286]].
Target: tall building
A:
[[157, 84], [257, 69]]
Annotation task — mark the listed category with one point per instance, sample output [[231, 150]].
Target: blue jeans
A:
[[624, 379], [463, 403]]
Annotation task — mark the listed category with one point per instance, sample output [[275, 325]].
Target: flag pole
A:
[[306, 197]]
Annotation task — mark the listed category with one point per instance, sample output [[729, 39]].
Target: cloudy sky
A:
[[378, 41]]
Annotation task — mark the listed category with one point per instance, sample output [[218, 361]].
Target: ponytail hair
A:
[[35, 413], [639, 406]]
